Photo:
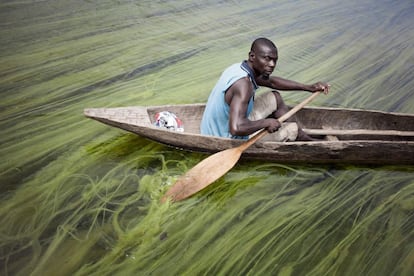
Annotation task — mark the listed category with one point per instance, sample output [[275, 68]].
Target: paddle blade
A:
[[203, 174]]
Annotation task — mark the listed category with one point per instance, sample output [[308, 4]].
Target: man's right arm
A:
[[238, 97]]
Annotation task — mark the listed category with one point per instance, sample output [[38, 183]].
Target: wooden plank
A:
[[339, 132]]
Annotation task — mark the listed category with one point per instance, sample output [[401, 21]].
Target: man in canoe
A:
[[232, 109]]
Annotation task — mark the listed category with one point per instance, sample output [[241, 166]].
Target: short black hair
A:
[[262, 41]]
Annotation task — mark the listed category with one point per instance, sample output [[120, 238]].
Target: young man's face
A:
[[264, 61]]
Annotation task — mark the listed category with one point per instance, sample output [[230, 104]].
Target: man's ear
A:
[[251, 55]]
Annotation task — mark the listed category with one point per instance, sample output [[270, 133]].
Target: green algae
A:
[[80, 198]]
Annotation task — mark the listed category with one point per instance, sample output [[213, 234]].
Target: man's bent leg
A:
[[265, 105], [283, 109]]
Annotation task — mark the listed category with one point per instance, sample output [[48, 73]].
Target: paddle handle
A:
[[282, 118]]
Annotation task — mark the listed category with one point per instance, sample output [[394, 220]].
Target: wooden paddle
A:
[[218, 164]]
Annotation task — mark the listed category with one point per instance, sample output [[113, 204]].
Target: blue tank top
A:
[[215, 119]]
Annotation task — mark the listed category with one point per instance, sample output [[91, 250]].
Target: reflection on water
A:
[[81, 198]]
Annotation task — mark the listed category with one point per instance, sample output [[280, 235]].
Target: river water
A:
[[81, 198]]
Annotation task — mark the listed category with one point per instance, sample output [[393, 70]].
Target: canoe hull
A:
[[363, 150]]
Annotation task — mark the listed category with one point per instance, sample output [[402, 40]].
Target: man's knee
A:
[[282, 108], [278, 97]]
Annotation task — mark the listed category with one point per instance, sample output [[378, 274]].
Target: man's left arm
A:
[[279, 83]]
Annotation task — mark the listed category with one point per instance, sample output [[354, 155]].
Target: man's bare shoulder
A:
[[242, 86], [241, 89]]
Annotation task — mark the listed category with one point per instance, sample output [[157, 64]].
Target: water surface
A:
[[81, 198]]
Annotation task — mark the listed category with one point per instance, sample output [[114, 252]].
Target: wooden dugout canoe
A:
[[356, 136]]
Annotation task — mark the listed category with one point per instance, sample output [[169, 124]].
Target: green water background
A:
[[81, 198]]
